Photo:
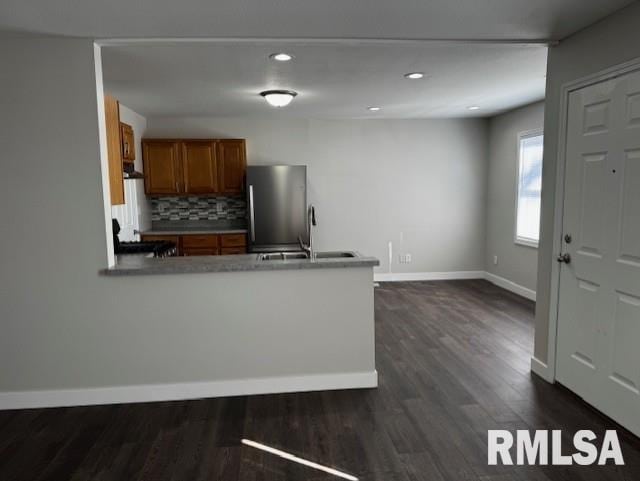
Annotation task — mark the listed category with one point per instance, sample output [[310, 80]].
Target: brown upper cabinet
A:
[[112, 124], [233, 165], [162, 168], [202, 166], [128, 143]]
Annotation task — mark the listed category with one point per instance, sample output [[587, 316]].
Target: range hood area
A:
[[129, 172]]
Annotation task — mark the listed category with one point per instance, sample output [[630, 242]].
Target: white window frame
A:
[[516, 239]]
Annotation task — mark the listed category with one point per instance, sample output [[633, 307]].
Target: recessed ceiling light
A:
[[414, 75], [278, 98], [474, 107], [281, 57], [373, 109]]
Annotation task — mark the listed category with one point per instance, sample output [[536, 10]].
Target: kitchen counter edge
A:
[[236, 263], [187, 231]]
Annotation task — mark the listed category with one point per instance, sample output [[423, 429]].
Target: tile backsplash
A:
[[198, 208]]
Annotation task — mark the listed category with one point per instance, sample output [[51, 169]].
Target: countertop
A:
[[180, 227], [132, 265]]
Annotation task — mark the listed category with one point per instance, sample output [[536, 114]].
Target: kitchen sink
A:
[[282, 256], [285, 256], [335, 255]]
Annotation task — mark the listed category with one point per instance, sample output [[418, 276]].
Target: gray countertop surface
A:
[[180, 227], [194, 231], [131, 265]]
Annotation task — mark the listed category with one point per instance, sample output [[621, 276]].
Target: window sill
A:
[[526, 243]]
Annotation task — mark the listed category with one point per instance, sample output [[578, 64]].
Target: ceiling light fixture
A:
[[373, 109], [414, 75], [278, 98], [474, 107], [281, 57]]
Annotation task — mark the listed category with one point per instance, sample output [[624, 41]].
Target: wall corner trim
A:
[[511, 286], [190, 390], [542, 370]]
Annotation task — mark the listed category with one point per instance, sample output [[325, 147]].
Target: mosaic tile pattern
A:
[[198, 208]]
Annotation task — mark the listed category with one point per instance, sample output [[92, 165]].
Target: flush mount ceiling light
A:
[[414, 75], [474, 107], [373, 109], [281, 57], [278, 98]]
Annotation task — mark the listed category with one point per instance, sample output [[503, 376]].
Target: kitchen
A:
[[189, 204], [197, 189]]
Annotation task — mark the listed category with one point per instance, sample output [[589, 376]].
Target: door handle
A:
[[566, 258], [252, 215]]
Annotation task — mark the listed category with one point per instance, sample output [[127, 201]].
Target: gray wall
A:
[[417, 183], [612, 41], [64, 326], [516, 263]]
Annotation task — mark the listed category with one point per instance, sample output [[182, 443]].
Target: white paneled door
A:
[[598, 354]]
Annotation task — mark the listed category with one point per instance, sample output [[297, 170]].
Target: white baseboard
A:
[[194, 390], [541, 369], [510, 286], [427, 276], [453, 275]]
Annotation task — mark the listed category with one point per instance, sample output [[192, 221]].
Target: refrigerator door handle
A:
[[252, 215]]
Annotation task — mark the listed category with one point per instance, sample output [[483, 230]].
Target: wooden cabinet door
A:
[[200, 241], [233, 244], [162, 172], [116, 171], [233, 240], [200, 245], [199, 167], [233, 165], [128, 142]]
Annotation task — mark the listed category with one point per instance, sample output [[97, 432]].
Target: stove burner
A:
[[157, 248]]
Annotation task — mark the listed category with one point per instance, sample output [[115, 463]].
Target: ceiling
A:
[[336, 80], [416, 19]]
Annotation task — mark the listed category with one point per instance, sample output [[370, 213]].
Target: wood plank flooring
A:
[[453, 360]]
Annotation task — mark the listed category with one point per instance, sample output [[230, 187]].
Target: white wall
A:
[[610, 42], [516, 263], [63, 326], [417, 183], [135, 213]]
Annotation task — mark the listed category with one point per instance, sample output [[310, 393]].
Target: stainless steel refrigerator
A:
[[277, 207]]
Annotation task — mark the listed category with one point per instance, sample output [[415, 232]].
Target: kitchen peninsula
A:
[[240, 302], [243, 325]]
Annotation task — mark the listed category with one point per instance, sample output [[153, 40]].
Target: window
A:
[[529, 188]]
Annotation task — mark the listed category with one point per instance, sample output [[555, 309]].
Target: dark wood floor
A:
[[453, 359]]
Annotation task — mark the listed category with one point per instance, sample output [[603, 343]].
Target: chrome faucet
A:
[[311, 222]]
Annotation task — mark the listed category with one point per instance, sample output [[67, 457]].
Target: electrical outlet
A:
[[495, 260], [404, 258]]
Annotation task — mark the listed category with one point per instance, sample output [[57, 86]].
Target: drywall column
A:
[[610, 42]]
